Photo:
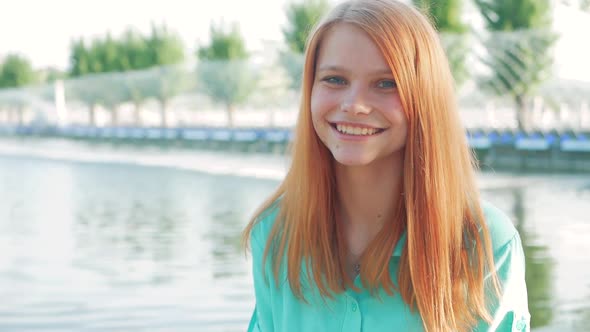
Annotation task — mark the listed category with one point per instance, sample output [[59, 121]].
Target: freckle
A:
[[379, 216]]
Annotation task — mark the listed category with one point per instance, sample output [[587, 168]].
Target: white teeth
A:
[[350, 130]]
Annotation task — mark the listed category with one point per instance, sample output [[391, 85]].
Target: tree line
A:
[[518, 62]]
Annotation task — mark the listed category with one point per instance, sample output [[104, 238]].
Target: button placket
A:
[[352, 317]]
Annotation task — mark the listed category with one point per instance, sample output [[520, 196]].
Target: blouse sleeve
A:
[[261, 320], [512, 313]]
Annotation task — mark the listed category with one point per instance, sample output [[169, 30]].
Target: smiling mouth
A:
[[356, 131]]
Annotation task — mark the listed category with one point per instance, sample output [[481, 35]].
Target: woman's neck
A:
[[366, 200]]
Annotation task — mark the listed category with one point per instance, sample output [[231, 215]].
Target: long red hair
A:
[[442, 270]]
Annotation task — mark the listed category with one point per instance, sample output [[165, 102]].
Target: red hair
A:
[[448, 250]]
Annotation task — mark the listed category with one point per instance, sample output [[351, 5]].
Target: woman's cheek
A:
[[323, 102]]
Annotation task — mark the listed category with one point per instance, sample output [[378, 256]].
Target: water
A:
[[88, 245]]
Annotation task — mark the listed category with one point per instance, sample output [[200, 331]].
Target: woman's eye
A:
[[387, 84], [334, 80]]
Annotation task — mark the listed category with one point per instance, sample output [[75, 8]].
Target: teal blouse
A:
[[277, 309]]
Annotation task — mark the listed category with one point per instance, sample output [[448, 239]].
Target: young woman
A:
[[378, 225]]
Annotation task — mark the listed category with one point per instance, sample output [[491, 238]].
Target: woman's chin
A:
[[352, 159]]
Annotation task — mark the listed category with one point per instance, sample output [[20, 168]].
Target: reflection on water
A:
[[539, 266], [582, 323], [122, 248], [110, 247], [550, 213]]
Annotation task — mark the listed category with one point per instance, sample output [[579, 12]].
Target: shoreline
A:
[[495, 149], [268, 167]]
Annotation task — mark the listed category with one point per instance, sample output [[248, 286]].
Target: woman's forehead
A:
[[345, 44]]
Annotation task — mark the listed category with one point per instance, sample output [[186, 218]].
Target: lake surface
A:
[[107, 238]]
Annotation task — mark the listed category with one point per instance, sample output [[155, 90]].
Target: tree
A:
[[16, 71], [86, 60], [223, 71], [136, 57], [165, 49], [164, 83], [446, 16], [136, 86], [518, 49], [131, 52], [85, 89], [107, 55], [79, 59], [136, 54], [301, 18], [134, 51]]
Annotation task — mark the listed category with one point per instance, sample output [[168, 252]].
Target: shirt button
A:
[[354, 307]]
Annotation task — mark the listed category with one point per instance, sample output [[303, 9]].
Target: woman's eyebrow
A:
[[332, 68], [382, 71]]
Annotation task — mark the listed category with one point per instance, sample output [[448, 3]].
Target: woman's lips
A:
[[356, 130]]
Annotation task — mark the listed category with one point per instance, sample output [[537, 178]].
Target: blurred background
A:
[[137, 138]]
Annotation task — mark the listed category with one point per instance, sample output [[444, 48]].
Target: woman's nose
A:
[[355, 102], [355, 108]]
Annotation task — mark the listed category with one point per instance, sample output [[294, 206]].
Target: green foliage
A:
[[519, 61], [79, 58], [107, 54], [130, 52], [100, 56], [585, 5], [164, 47], [16, 71], [224, 72], [224, 45], [446, 16], [302, 17], [510, 15], [457, 48], [161, 48], [134, 51]]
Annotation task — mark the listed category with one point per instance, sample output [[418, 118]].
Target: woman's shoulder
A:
[[500, 226], [264, 223]]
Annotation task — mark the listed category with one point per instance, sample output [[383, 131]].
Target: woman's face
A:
[[355, 105]]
